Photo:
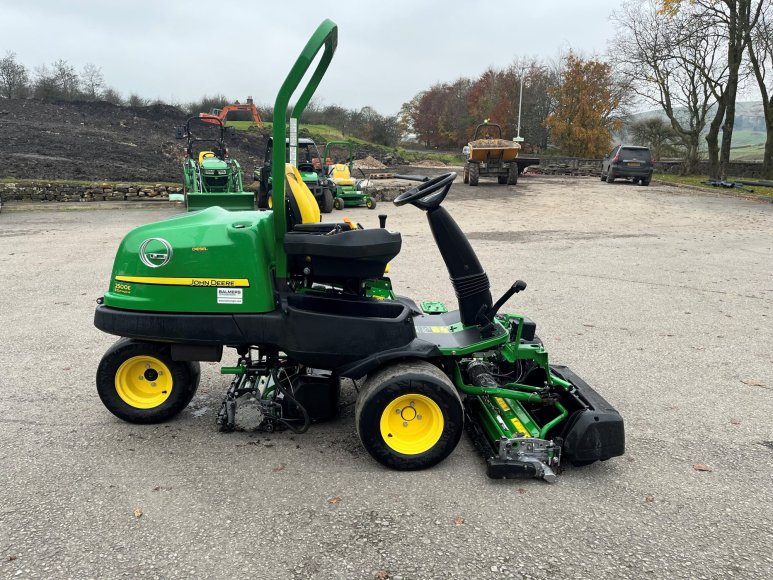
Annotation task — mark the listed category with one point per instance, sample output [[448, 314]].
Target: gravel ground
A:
[[660, 299]]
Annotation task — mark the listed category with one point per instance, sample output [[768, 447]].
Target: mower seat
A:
[[204, 154], [332, 251], [341, 174]]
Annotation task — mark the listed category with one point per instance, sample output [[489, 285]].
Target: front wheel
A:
[[409, 415], [370, 203], [139, 382], [338, 203], [327, 201], [474, 173], [512, 174]]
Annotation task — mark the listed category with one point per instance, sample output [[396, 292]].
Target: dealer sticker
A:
[[229, 296]]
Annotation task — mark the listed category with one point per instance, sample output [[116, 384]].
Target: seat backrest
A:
[[302, 203], [204, 154], [341, 174]]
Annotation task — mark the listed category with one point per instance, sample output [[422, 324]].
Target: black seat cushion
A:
[[344, 255]]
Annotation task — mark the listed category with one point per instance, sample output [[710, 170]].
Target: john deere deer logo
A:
[[155, 252]]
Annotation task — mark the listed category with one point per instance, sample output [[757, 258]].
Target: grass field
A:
[[701, 181]]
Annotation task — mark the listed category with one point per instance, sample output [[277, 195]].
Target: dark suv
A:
[[628, 162]]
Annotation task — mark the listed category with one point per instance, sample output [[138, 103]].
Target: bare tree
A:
[[92, 80], [673, 62], [760, 51], [14, 79]]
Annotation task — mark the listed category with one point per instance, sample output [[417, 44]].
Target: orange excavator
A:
[[236, 115]]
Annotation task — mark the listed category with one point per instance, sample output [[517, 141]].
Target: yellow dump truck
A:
[[488, 155]]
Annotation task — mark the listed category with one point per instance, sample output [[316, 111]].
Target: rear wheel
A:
[[512, 174], [409, 415], [327, 201], [140, 383], [466, 173], [501, 179], [646, 181], [610, 176], [370, 203], [338, 203], [474, 174]]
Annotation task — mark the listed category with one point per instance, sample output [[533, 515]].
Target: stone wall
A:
[[45, 191], [579, 166]]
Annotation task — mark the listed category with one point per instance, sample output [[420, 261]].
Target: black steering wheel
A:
[[430, 194]]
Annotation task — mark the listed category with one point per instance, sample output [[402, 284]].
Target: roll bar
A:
[[325, 36]]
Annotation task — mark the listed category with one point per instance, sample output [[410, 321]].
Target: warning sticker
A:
[[229, 295]]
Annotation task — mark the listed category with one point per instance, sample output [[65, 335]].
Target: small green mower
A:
[[210, 176], [306, 304], [349, 191]]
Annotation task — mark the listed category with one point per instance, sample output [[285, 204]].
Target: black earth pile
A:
[[98, 141]]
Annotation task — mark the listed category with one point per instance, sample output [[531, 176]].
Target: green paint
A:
[[433, 307]]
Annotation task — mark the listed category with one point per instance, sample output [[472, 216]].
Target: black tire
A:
[[424, 388], [117, 386], [370, 203], [338, 203], [466, 173], [501, 179], [474, 174], [512, 174], [610, 176], [603, 175], [327, 201], [645, 182]]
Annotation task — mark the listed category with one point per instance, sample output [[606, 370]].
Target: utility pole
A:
[[518, 139]]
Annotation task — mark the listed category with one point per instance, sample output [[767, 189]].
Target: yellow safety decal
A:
[[519, 427], [502, 404], [440, 329], [203, 282]]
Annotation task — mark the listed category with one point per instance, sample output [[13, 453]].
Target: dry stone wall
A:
[[45, 191]]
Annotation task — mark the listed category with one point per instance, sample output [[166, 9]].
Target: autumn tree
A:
[[588, 101]]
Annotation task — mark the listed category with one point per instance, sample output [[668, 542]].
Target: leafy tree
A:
[[110, 95], [14, 79], [588, 101]]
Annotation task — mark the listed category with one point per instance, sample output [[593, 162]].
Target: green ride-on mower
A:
[[210, 176], [348, 191], [310, 167], [306, 304]]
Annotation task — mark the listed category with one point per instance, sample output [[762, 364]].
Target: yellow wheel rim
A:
[[412, 424], [270, 202], [143, 382]]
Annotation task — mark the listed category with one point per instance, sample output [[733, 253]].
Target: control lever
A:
[[514, 289], [485, 317], [382, 220]]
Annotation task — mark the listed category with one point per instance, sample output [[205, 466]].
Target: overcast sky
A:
[[387, 51]]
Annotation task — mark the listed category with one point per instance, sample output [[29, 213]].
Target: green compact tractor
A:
[[311, 168], [349, 192], [210, 176], [306, 304]]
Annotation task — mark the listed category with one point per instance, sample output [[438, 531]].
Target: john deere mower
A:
[[210, 176], [306, 304], [311, 170], [348, 191]]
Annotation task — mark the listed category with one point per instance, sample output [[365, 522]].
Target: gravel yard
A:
[[658, 297]]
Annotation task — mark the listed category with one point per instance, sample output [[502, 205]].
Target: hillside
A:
[[98, 141], [748, 133]]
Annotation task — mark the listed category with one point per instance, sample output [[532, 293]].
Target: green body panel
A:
[[212, 251]]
